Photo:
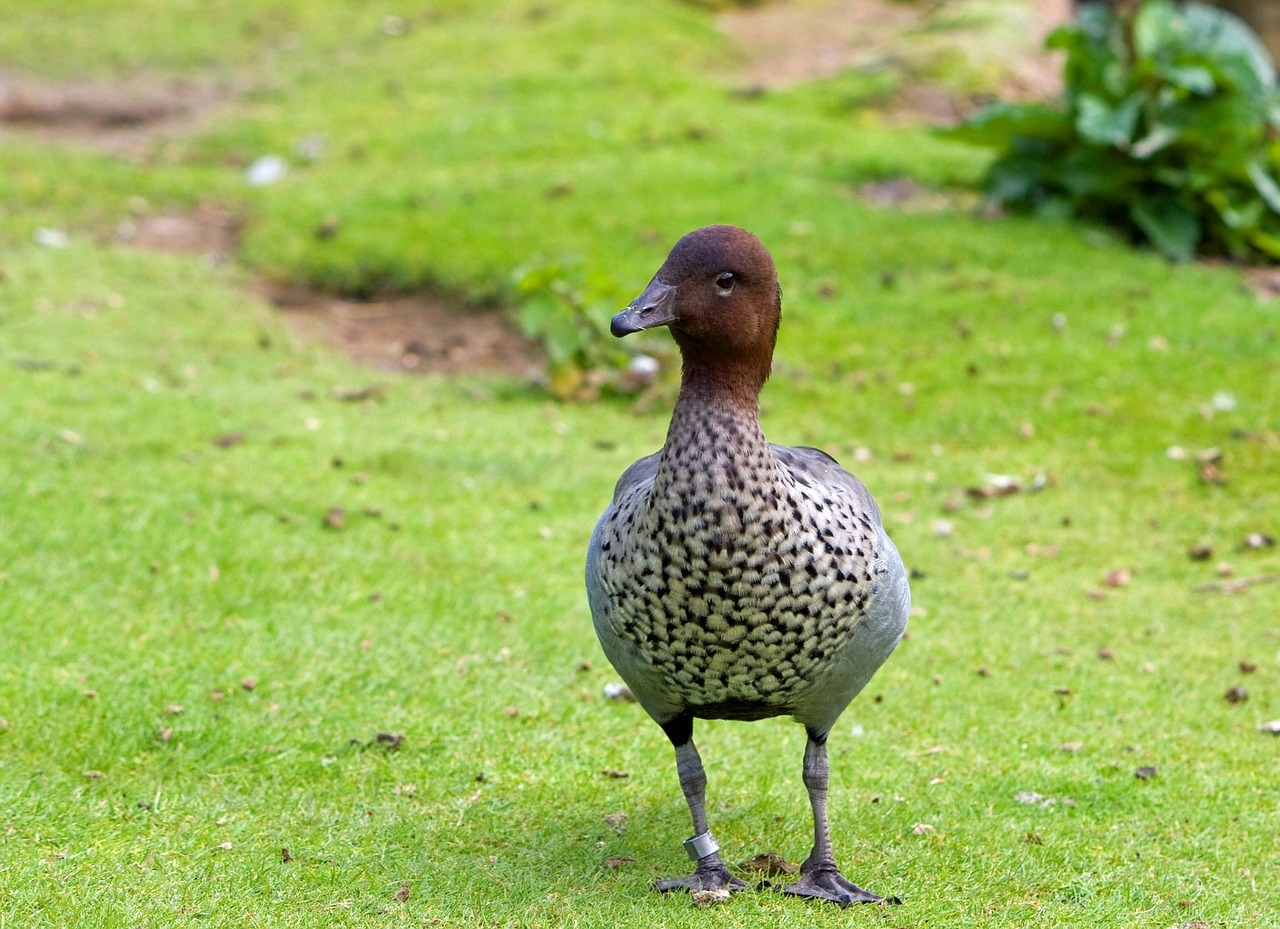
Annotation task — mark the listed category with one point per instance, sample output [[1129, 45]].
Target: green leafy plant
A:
[[567, 309], [1167, 132]]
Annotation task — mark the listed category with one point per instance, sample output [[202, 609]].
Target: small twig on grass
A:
[[1238, 584]]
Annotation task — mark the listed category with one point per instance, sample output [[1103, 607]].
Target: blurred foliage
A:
[[1168, 132], [567, 309]]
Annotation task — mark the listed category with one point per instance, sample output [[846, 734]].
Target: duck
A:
[[732, 578]]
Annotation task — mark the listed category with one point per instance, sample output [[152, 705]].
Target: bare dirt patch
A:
[[421, 332], [790, 43], [207, 230], [905, 195], [1263, 281], [121, 117], [985, 46]]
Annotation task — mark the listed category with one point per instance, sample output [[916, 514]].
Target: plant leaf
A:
[[1170, 226], [1235, 216], [1266, 243], [536, 312], [1195, 78], [1018, 178], [997, 124], [560, 345], [1105, 173], [1157, 27], [1223, 37], [1265, 185], [1102, 124], [1158, 138]]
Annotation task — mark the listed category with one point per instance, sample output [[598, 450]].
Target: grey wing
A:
[[822, 469], [640, 473]]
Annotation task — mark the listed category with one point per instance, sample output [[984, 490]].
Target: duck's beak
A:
[[655, 307]]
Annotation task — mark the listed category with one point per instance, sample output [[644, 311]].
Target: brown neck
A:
[[717, 414], [714, 433], [736, 386], [721, 378]]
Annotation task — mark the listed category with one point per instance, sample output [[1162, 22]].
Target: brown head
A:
[[718, 294]]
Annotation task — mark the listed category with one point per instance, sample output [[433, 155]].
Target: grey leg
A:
[[711, 873], [820, 877], [693, 781]]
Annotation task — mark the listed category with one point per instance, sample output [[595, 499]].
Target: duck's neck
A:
[[723, 375], [733, 388], [716, 417]]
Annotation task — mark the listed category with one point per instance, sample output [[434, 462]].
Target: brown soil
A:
[[789, 43], [207, 230], [792, 43], [422, 332], [124, 117]]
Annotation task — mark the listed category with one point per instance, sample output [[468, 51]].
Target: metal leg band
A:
[[700, 846]]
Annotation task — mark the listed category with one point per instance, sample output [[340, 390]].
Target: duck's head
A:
[[718, 294]]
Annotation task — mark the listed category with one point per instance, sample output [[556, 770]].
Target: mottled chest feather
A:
[[734, 576]]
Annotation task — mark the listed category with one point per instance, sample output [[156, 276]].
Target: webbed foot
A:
[[825, 882], [711, 875]]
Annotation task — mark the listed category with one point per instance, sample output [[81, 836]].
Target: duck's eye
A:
[[724, 283]]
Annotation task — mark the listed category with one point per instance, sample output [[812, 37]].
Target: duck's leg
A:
[[820, 877], [711, 872]]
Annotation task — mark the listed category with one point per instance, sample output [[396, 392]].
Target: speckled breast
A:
[[737, 582]]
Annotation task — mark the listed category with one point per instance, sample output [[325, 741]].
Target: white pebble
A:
[[50, 238], [619, 692], [266, 170], [1223, 401]]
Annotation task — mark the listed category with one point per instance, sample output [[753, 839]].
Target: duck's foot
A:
[[711, 876], [827, 883]]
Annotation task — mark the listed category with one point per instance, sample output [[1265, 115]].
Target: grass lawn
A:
[[205, 663]]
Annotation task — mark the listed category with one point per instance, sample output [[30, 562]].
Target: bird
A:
[[731, 578]]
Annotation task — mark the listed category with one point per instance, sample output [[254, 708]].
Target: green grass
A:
[[143, 562]]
